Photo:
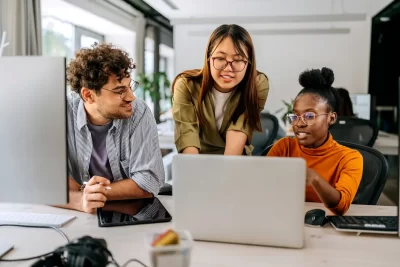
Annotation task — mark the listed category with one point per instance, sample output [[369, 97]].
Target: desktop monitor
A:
[[361, 105], [33, 143]]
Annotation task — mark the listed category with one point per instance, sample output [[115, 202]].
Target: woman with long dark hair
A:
[[216, 109]]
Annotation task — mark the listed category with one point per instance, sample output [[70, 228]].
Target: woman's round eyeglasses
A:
[[220, 63], [307, 118]]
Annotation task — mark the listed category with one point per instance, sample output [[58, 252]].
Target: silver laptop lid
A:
[[239, 199]]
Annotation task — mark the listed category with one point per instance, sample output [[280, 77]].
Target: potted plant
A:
[[288, 108], [152, 83]]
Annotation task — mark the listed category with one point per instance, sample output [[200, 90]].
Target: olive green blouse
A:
[[207, 138]]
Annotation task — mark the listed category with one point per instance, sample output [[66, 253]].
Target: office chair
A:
[[265, 152], [354, 130], [375, 173], [261, 140]]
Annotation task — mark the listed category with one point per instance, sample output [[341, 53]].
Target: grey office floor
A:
[[390, 194]]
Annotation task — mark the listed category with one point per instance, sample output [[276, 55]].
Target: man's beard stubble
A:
[[114, 116]]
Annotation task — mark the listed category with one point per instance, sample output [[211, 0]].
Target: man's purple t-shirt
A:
[[99, 164]]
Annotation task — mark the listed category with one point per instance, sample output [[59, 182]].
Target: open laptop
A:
[[239, 199]]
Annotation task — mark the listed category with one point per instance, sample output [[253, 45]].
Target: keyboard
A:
[[34, 219], [365, 223]]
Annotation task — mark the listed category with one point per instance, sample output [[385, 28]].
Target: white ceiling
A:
[[258, 8]]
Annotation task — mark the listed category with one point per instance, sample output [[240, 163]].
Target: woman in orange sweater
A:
[[333, 171]]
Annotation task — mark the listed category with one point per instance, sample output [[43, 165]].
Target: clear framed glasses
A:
[[307, 118], [220, 63], [123, 91]]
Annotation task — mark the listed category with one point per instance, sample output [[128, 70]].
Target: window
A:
[[58, 38], [63, 38], [148, 70], [166, 65], [85, 38], [165, 93]]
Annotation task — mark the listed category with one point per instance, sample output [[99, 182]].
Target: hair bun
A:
[[316, 78]]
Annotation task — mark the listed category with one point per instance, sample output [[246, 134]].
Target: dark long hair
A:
[[248, 102], [346, 106]]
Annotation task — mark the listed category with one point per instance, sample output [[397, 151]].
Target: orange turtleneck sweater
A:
[[340, 166]]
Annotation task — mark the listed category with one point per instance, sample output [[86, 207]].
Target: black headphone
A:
[[83, 252]]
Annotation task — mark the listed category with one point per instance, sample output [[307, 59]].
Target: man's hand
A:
[[94, 194]]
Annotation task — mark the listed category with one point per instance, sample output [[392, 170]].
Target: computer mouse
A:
[[315, 217]]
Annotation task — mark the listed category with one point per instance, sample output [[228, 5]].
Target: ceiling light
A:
[[288, 31], [272, 19]]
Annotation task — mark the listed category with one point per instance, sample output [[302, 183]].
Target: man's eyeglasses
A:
[[308, 118], [123, 91], [220, 63]]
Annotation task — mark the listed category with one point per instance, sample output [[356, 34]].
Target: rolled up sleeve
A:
[[348, 183], [185, 117], [145, 164]]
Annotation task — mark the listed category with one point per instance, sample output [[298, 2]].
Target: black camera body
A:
[[83, 252]]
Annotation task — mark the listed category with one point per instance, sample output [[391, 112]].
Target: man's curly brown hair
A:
[[92, 67]]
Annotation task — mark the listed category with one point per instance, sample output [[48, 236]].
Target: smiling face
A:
[[311, 126], [113, 102], [227, 66]]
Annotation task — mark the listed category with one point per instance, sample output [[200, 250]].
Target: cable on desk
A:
[[82, 252], [43, 227], [134, 260]]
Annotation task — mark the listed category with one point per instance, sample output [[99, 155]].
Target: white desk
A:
[[166, 135], [387, 144], [166, 139], [324, 247]]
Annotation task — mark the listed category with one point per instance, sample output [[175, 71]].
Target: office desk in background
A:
[[387, 144], [166, 139], [324, 247], [166, 135]]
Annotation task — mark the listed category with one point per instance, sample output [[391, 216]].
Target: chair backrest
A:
[[354, 130], [270, 127], [265, 152], [375, 173]]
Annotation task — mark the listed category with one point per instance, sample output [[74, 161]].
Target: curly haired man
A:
[[113, 147]]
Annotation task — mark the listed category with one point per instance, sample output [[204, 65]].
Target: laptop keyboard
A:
[[375, 223]]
